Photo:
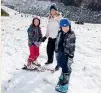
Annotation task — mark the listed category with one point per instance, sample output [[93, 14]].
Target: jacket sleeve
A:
[[72, 45], [57, 41], [47, 32], [40, 35], [30, 36]]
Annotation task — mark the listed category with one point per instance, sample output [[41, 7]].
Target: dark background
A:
[[88, 11]]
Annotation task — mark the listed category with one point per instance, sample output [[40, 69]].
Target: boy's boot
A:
[[57, 68], [62, 85]]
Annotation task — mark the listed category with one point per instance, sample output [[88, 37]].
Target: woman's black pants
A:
[[50, 49]]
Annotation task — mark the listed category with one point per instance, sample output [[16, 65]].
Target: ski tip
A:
[[24, 67]]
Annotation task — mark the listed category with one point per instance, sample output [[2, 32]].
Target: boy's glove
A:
[[70, 61], [71, 56], [43, 39], [37, 44]]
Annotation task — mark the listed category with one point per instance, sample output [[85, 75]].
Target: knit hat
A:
[[64, 22], [53, 7]]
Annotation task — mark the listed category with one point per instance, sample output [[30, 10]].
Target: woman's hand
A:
[[43, 39]]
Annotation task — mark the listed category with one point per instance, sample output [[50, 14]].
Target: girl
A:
[[51, 33], [34, 40], [64, 48]]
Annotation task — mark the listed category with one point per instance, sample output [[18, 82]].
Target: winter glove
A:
[[43, 39], [71, 56], [37, 44], [70, 60]]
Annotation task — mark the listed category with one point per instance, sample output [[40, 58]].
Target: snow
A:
[[86, 69]]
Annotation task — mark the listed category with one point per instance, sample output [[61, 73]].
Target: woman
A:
[[51, 33]]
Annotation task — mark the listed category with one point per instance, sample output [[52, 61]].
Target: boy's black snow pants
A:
[[50, 49]]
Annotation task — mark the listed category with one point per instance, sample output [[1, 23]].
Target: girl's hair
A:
[[34, 20]]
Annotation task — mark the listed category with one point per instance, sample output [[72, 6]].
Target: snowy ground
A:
[[86, 73]]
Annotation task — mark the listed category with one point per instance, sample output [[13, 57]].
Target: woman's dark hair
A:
[[34, 20]]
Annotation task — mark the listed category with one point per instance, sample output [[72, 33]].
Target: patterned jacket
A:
[[65, 43], [34, 35]]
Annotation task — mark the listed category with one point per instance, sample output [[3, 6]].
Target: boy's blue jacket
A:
[[34, 35], [65, 43]]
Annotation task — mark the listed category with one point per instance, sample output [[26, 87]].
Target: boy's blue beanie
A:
[[64, 22]]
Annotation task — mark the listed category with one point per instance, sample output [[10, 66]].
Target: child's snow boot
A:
[[29, 64], [62, 88], [57, 68], [60, 79], [62, 85], [35, 63]]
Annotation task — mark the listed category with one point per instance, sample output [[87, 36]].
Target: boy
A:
[[64, 48]]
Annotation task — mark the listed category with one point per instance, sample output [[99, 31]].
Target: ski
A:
[[29, 69], [38, 69]]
